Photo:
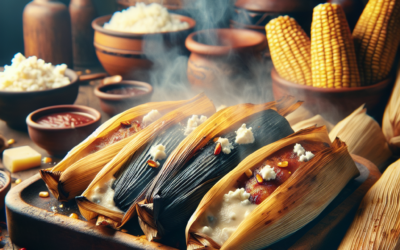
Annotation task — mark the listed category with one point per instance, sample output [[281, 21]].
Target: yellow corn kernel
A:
[[283, 164], [44, 194], [47, 160], [376, 39], [249, 173], [11, 141], [18, 181], [74, 216], [333, 58], [290, 50]]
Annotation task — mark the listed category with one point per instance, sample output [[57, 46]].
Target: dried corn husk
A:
[[216, 124], [290, 207], [315, 120], [298, 115], [363, 136], [391, 117], [66, 183], [377, 222]]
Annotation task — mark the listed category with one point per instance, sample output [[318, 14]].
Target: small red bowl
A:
[[58, 141], [335, 104], [113, 104]]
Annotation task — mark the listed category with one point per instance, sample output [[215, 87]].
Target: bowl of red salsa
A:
[[118, 97], [58, 129]]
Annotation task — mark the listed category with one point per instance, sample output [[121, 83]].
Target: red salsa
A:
[[125, 90], [65, 119], [289, 162]]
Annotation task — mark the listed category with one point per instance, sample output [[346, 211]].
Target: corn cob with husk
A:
[[317, 120], [72, 175], [200, 137], [296, 202], [376, 39], [333, 57], [290, 49], [391, 118], [363, 136], [377, 222]]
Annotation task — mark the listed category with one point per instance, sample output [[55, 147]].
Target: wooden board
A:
[[33, 224]]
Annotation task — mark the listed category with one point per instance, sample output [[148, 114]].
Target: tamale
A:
[[72, 181], [315, 120], [296, 202], [376, 223], [391, 117], [363, 136], [216, 124], [189, 173], [298, 115]]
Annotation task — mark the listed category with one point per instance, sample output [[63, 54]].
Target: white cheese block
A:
[[21, 158]]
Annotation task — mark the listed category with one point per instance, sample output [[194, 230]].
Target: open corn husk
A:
[[391, 117], [363, 136], [315, 120], [70, 178], [298, 115], [214, 125], [290, 207], [377, 222]]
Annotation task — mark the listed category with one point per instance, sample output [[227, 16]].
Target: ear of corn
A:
[[376, 38], [290, 49], [333, 56]]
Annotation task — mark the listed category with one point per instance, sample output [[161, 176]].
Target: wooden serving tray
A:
[[33, 224]]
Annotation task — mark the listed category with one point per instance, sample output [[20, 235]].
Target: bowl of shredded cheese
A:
[[31, 83], [120, 38]]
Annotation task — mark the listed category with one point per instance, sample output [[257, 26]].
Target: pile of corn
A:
[[335, 58]]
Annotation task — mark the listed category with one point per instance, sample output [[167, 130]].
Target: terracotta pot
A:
[[335, 104], [230, 54], [58, 141], [122, 53], [114, 104], [15, 106]]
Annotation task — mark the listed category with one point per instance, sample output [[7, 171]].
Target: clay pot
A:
[[113, 104], [58, 141], [335, 104], [222, 53], [122, 53]]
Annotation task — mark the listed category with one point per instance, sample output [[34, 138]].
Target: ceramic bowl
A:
[[122, 53], [335, 104], [5, 184], [58, 141], [113, 104], [15, 106]]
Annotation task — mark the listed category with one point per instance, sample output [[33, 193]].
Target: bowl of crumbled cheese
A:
[[31, 83], [124, 40]]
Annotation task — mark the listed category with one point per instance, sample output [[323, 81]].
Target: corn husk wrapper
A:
[[363, 136], [298, 115], [216, 124], [66, 183], [290, 207], [391, 117], [377, 222], [317, 120], [199, 105]]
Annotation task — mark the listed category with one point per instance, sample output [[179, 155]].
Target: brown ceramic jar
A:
[[47, 31]]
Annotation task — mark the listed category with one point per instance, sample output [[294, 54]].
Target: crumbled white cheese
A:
[[239, 194], [244, 135], [206, 230], [298, 149], [306, 157], [268, 173], [225, 144], [103, 194], [158, 152], [151, 117], [194, 122]]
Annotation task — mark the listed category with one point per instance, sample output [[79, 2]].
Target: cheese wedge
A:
[[21, 158]]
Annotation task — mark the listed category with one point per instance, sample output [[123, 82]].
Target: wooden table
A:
[[85, 97]]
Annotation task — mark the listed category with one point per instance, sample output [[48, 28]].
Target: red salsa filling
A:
[[65, 119], [289, 162]]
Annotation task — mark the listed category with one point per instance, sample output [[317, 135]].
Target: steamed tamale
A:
[[215, 125], [376, 223], [290, 198], [75, 179], [317, 120]]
